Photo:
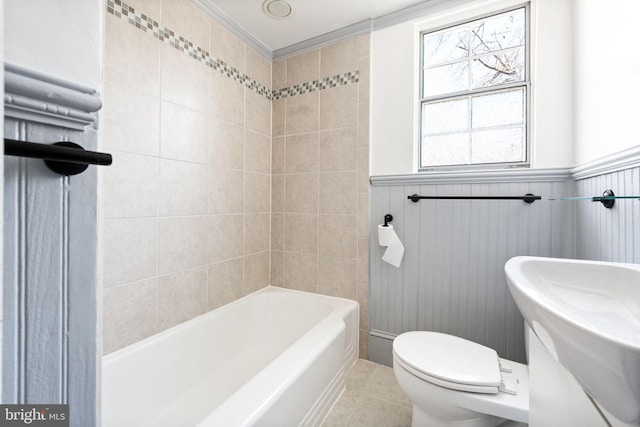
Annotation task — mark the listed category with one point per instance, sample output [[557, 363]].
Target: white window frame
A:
[[480, 11]]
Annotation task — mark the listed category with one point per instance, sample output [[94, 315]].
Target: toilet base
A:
[[421, 418]]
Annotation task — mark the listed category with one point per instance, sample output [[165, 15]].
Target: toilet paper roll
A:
[[395, 249], [385, 234]]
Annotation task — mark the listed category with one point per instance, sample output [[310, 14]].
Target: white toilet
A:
[[455, 382]]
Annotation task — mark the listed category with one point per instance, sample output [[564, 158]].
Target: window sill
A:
[[474, 176]]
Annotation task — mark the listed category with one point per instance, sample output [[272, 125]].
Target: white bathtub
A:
[[274, 358]]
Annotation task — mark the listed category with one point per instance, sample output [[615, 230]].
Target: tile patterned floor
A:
[[372, 399]]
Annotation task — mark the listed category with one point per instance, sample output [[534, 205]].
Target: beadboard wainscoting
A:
[[50, 331], [451, 279], [609, 234]]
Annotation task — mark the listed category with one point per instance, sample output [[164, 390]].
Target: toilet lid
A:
[[449, 361]]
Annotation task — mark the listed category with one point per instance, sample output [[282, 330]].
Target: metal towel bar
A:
[[65, 158]]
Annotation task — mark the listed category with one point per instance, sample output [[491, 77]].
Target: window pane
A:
[[446, 79], [498, 109], [498, 146], [498, 68], [445, 150], [445, 116], [500, 32], [445, 46]]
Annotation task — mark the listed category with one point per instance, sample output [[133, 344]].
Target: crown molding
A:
[[362, 27], [37, 97]]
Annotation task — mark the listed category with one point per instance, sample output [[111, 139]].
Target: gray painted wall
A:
[[50, 300], [609, 234], [452, 278]]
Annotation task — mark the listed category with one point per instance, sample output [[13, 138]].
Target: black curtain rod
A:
[[65, 158], [527, 198]]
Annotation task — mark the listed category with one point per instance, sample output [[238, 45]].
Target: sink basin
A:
[[587, 314]]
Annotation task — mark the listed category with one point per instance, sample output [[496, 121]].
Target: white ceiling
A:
[[310, 18]]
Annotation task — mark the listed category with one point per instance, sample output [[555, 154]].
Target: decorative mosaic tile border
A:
[[144, 23]]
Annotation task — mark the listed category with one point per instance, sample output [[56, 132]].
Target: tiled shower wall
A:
[[193, 216], [320, 166], [186, 202]]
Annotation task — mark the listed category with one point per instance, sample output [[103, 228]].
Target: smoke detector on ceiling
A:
[[277, 8]]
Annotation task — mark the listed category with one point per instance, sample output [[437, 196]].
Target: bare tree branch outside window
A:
[[462, 123]]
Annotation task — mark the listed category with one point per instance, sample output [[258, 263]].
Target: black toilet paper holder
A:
[[387, 219]]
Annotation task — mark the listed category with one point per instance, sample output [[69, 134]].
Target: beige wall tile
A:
[[277, 193], [131, 186], [279, 74], [277, 268], [224, 282], [302, 68], [364, 344], [301, 233], [183, 188], [278, 119], [363, 170], [184, 81], [340, 57], [258, 67], [364, 43], [226, 147], [182, 243], [364, 80], [257, 113], [181, 296], [227, 98], [277, 155], [226, 191], [256, 233], [130, 120], [337, 277], [300, 271], [258, 198], [226, 46], [257, 157], [363, 261], [184, 134], [339, 107], [338, 192], [277, 231], [302, 113], [256, 272], [150, 8], [301, 193], [225, 237], [301, 153], [363, 300], [363, 125], [131, 57], [129, 314], [187, 20], [338, 150], [337, 235], [363, 215], [130, 250]]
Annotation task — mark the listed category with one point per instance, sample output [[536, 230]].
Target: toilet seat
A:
[[449, 361]]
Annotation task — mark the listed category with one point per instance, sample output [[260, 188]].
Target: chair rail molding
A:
[[40, 98]]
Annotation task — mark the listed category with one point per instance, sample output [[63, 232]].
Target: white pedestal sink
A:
[[587, 314]]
